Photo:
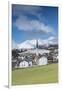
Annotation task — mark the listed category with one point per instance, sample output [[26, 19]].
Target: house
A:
[[23, 64], [26, 62], [55, 58], [43, 61], [14, 63]]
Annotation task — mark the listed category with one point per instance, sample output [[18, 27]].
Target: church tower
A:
[[36, 43], [36, 57]]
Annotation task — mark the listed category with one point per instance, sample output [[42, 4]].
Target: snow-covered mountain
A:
[[28, 44]]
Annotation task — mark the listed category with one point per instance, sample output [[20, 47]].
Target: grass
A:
[[35, 75]]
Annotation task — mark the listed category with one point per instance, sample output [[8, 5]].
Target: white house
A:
[[43, 61], [23, 64]]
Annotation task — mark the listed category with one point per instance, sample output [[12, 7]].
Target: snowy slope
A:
[[28, 44]]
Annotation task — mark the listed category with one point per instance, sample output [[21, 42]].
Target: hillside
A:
[[35, 75]]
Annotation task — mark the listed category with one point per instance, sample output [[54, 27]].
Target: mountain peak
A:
[[29, 44]]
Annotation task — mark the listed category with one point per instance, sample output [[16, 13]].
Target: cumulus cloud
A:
[[25, 24]]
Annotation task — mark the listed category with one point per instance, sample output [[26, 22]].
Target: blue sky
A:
[[34, 22]]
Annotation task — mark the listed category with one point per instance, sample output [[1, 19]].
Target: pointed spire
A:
[[36, 43]]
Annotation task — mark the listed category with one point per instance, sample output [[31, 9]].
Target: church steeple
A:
[[36, 57], [36, 43]]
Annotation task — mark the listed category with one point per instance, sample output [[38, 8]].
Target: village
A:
[[35, 56]]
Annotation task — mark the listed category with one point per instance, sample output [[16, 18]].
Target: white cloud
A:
[[25, 24]]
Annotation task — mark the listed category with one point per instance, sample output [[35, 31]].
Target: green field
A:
[[35, 75]]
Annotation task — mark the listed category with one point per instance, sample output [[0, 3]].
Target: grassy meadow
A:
[[35, 75]]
